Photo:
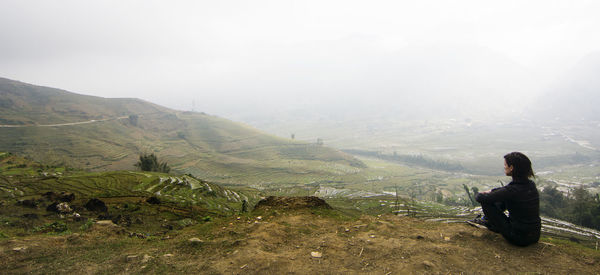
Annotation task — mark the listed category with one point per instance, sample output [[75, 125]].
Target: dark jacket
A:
[[522, 200]]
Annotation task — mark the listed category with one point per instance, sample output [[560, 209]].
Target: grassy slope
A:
[[207, 146], [281, 242]]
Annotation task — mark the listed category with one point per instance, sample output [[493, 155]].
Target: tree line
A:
[[417, 160], [579, 206]]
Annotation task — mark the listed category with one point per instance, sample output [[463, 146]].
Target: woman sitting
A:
[[520, 197]]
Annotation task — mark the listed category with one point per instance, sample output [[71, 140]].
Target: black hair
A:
[[521, 165]]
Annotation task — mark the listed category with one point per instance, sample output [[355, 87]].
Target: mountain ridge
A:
[[205, 145]]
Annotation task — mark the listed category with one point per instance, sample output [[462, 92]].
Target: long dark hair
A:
[[521, 165]]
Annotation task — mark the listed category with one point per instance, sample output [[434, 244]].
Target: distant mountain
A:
[[575, 96], [22, 103], [60, 127]]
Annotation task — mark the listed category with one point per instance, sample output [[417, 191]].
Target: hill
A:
[[62, 128], [299, 242]]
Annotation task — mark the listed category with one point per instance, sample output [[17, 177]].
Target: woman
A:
[[520, 197]]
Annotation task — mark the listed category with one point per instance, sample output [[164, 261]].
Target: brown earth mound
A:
[[273, 202]]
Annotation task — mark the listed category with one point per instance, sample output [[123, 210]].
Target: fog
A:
[[252, 60]]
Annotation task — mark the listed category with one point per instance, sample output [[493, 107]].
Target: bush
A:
[[87, 225], [56, 227], [149, 162]]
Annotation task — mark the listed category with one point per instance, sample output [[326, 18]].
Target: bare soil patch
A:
[[288, 203]]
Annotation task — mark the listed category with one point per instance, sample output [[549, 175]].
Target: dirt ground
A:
[[298, 242], [291, 235], [387, 245]]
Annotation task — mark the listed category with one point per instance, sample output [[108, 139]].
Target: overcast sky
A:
[[223, 56]]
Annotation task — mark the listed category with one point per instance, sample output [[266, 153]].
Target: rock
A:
[[195, 241], [52, 207], [77, 217], [428, 264], [347, 229], [138, 235], [259, 218], [371, 236], [106, 223], [168, 255], [20, 249], [122, 220], [132, 258], [64, 207], [28, 203], [316, 254], [153, 200], [147, 258], [63, 196], [96, 205]]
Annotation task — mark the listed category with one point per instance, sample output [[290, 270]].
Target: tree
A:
[[582, 206], [149, 162], [471, 198], [244, 206], [320, 141], [133, 119]]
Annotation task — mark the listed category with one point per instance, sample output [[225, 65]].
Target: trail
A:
[[64, 124]]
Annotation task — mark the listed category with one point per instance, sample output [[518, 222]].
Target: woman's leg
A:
[[497, 221]]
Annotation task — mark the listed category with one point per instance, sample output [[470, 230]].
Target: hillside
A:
[[62, 128], [294, 242]]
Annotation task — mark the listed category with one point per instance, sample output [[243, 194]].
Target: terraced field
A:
[[23, 179]]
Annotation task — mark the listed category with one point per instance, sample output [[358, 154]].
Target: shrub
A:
[[86, 225], [57, 227], [149, 162]]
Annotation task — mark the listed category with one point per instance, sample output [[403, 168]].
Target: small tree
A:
[[244, 206], [133, 119], [471, 198], [149, 162]]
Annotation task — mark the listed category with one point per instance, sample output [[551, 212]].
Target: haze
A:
[[251, 60]]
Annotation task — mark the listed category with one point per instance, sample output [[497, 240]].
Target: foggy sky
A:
[[228, 57]]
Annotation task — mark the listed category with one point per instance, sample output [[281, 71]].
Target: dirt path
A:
[[64, 124]]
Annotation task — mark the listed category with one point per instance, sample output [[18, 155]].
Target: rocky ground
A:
[[295, 240]]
